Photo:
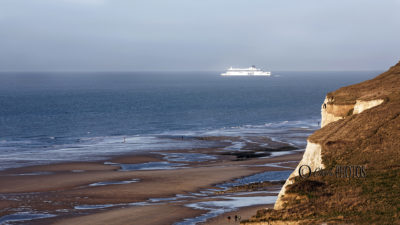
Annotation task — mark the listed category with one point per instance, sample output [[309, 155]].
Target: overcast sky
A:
[[129, 35]]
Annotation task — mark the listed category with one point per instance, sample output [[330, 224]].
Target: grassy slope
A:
[[372, 139]]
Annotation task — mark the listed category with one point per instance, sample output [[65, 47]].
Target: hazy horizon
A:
[[155, 35]]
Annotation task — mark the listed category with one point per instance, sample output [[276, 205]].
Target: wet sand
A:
[[144, 215], [244, 213], [60, 188]]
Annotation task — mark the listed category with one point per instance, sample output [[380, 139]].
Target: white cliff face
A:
[[331, 112], [312, 155], [311, 158], [327, 118], [361, 105], [327, 115]]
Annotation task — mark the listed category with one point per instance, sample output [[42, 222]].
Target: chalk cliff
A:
[[360, 125], [331, 112], [312, 158]]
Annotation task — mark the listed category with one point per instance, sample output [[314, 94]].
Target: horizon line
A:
[[166, 71]]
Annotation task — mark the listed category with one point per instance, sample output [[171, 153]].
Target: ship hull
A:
[[251, 71], [246, 74]]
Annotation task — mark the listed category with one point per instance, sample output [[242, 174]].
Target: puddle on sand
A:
[[151, 166], [216, 205], [256, 192], [277, 165], [217, 208], [142, 203], [235, 146], [187, 157], [177, 197], [281, 153], [33, 173], [232, 202], [85, 207], [148, 166], [24, 216], [235, 202], [103, 183], [259, 177]]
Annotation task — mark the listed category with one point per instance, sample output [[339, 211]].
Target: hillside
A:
[[360, 128]]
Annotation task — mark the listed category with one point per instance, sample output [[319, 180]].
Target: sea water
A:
[[54, 117]]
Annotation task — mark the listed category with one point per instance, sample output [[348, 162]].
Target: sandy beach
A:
[[104, 193], [242, 213]]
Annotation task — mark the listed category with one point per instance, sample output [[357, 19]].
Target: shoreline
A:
[[95, 149], [58, 189]]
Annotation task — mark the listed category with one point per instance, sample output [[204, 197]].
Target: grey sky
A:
[[127, 35]]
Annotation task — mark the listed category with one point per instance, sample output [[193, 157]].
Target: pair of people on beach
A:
[[237, 218]]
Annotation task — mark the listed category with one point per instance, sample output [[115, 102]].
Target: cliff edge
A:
[[354, 157]]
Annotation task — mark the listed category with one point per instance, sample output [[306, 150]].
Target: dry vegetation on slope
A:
[[371, 139], [376, 88]]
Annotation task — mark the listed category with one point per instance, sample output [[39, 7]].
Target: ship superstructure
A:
[[251, 71]]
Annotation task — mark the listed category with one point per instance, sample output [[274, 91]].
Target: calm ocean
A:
[[51, 117]]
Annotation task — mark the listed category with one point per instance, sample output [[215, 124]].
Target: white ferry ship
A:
[[251, 71]]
